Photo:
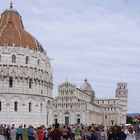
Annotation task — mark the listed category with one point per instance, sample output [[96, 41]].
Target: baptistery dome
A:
[[12, 31], [26, 80]]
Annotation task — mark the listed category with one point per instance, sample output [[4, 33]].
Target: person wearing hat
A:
[[1, 132]]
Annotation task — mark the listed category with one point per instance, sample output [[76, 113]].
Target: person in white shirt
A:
[[130, 134], [13, 133]]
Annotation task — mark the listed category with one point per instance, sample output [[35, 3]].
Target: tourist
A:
[[8, 132], [19, 133], [1, 132], [73, 132], [25, 133], [30, 133], [13, 133], [69, 133], [5, 131], [110, 134], [56, 134], [82, 132], [98, 135], [47, 133], [65, 133], [120, 134], [40, 133], [130, 134], [102, 133]]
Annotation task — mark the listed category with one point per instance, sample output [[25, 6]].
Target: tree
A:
[[129, 119]]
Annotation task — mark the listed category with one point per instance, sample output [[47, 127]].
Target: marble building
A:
[[80, 105], [25, 74], [26, 85]]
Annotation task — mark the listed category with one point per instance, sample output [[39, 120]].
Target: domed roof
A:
[[12, 32], [86, 86]]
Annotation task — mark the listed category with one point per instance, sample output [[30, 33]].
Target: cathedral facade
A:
[[79, 105], [26, 84]]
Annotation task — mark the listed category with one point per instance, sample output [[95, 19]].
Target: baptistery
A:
[[26, 80]]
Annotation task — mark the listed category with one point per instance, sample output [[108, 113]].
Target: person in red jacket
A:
[[55, 134], [40, 133]]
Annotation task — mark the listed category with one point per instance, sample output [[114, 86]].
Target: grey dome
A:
[[86, 86]]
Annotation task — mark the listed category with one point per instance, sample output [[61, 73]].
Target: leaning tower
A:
[[122, 95]]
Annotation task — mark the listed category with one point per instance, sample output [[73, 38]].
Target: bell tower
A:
[[122, 95]]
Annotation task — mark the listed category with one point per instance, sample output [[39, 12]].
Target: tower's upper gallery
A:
[[12, 31]]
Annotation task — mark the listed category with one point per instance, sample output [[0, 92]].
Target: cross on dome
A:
[[85, 79], [11, 5]]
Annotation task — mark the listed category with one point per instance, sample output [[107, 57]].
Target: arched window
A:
[[27, 60], [30, 83], [38, 62], [30, 106], [10, 82], [41, 107], [41, 91], [0, 105], [13, 58], [15, 106]]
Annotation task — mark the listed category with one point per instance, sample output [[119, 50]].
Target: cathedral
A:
[[80, 105], [26, 85]]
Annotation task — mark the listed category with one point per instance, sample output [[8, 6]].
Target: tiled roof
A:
[[12, 32]]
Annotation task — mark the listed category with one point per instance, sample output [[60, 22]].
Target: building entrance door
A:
[[55, 120], [78, 120], [66, 120]]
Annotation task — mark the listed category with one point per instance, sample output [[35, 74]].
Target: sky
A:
[[94, 39]]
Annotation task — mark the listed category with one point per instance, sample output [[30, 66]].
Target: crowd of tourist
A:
[[54, 132], [67, 132], [100, 132]]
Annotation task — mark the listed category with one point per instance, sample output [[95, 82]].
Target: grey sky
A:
[[96, 39]]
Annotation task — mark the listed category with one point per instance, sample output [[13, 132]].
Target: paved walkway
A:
[[77, 138], [138, 136]]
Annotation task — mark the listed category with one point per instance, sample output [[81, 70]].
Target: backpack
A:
[[46, 134]]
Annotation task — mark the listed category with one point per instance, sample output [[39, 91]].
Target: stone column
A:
[[36, 116], [50, 116], [23, 105], [61, 117], [73, 118], [87, 117], [8, 105]]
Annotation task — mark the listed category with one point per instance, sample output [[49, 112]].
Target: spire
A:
[[85, 79], [11, 5]]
